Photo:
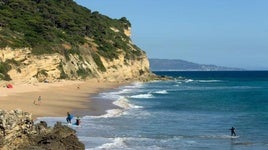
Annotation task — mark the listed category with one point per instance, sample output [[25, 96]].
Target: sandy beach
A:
[[56, 98]]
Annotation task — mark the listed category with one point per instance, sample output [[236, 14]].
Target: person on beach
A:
[[69, 118], [77, 121], [38, 100], [233, 131]]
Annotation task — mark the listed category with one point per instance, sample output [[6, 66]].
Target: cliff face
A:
[[18, 131], [27, 67], [51, 40], [30, 66]]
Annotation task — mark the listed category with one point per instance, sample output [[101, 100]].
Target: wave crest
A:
[[161, 92], [148, 95]]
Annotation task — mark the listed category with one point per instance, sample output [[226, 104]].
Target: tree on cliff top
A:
[[46, 25]]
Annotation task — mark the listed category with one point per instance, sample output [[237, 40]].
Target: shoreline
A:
[[57, 98]]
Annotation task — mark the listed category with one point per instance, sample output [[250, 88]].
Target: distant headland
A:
[[182, 65]]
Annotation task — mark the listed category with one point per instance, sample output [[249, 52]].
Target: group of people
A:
[[70, 117], [38, 101], [78, 122]]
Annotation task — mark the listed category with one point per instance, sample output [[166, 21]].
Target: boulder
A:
[[18, 131]]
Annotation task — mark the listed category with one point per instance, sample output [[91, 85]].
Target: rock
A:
[[18, 131]]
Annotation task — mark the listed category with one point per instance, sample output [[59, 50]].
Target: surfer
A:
[[69, 117], [233, 131]]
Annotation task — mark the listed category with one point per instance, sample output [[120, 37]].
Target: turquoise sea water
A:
[[192, 112]]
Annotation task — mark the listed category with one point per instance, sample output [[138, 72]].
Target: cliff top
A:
[[55, 25], [58, 39]]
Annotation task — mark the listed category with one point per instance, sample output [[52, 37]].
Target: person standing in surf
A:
[[77, 121], [233, 133], [69, 117]]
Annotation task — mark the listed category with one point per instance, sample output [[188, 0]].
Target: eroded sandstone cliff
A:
[[51, 40], [27, 67]]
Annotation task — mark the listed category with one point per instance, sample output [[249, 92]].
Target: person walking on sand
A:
[[233, 131], [38, 100]]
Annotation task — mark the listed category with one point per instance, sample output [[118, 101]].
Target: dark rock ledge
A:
[[18, 131]]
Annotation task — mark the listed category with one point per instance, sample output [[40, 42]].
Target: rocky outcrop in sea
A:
[[18, 131]]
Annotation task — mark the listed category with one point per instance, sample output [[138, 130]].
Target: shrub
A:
[[98, 61], [4, 68], [84, 73]]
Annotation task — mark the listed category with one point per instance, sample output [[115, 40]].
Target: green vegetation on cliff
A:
[[4, 68], [46, 25], [65, 28]]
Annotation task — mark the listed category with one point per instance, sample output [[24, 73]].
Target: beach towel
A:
[[9, 86]]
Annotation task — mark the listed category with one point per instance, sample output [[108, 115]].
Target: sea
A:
[[193, 111]]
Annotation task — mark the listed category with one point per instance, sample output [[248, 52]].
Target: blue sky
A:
[[230, 33]]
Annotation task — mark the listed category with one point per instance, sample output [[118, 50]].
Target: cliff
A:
[[58, 39], [18, 131]]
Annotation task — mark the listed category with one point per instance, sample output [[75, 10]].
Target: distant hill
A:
[[182, 65]]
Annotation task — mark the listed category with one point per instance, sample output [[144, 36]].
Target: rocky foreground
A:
[[18, 131]]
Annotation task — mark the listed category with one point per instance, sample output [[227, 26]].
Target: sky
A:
[[231, 33]]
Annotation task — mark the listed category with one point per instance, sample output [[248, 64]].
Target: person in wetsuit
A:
[[233, 131]]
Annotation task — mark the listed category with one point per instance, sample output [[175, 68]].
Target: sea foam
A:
[[148, 95], [161, 92]]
